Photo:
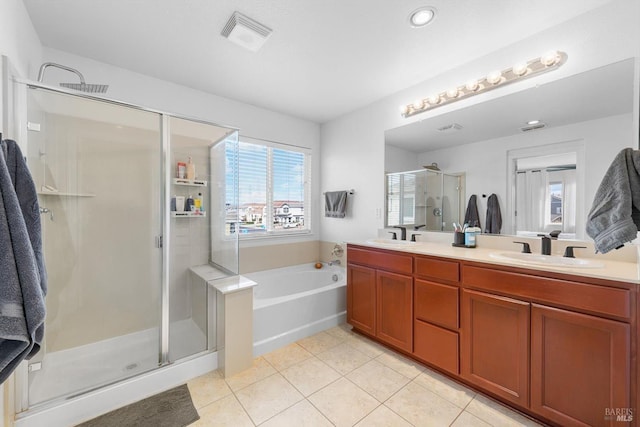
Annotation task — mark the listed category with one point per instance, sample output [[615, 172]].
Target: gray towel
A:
[[471, 217], [494, 216], [23, 286], [335, 204], [614, 218]]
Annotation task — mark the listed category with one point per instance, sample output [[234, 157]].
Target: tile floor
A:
[[340, 378]]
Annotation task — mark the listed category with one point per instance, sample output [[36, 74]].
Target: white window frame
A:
[[269, 208]]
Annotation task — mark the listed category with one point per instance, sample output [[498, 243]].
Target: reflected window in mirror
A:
[[545, 195]]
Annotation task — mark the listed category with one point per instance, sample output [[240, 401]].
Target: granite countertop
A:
[[603, 267]]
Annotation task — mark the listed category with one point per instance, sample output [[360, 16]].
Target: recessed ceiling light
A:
[[422, 16], [533, 122]]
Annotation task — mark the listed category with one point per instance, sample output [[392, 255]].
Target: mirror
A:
[[591, 113]]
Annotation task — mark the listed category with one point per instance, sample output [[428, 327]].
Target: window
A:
[[555, 203], [273, 188]]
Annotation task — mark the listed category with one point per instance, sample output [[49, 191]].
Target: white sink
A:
[[389, 242], [546, 260]]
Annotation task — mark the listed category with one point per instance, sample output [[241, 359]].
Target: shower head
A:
[[433, 166], [82, 86]]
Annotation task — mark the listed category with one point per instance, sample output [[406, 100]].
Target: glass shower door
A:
[[97, 168], [199, 248]]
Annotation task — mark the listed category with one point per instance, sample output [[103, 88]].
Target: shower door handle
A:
[[47, 210]]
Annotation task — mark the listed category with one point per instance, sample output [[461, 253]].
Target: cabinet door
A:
[[580, 369], [395, 309], [361, 298], [495, 345]]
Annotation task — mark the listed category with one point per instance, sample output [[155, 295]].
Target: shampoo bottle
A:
[[191, 170]]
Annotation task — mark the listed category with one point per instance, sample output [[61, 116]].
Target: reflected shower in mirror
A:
[[423, 199]]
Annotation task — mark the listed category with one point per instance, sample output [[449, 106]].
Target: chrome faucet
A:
[[334, 262]]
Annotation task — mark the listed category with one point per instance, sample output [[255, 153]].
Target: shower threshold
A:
[[75, 371]]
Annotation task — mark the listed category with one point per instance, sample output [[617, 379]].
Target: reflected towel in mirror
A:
[[471, 217], [494, 216]]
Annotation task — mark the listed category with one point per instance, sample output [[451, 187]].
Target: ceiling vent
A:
[[453, 127], [246, 32], [536, 126]]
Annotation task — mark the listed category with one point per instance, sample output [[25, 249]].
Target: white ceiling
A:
[[325, 57]]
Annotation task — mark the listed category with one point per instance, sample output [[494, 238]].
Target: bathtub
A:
[[295, 302]]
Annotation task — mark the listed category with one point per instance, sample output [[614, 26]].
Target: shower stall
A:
[[122, 238], [425, 198]]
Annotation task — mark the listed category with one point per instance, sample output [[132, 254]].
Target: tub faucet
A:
[[334, 262]]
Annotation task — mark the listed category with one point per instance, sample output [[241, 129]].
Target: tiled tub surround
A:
[[337, 377], [527, 335]]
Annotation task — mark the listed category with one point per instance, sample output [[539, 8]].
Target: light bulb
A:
[[550, 58], [434, 99], [404, 109], [418, 104], [421, 17], [453, 93], [472, 85], [494, 77], [520, 69]]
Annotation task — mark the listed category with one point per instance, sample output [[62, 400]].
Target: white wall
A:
[[397, 159], [353, 145], [19, 42], [138, 89]]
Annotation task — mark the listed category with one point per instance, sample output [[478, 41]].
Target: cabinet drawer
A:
[[611, 302], [436, 303], [436, 346], [382, 260], [437, 269]]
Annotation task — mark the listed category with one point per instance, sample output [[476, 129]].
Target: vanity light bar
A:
[[547, 62]]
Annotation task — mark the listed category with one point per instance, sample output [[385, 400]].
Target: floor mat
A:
[[172, 408]]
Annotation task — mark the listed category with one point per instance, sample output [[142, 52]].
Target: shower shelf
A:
[[62, 194], [188, 214], [190, 182]]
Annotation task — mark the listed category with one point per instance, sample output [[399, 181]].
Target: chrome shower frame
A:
[[17, 129]]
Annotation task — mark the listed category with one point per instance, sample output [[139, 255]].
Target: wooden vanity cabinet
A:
[[579, 366], [495, 345], [562, 348], [380, 295], [394, 315], [436, 319], [361, 298]]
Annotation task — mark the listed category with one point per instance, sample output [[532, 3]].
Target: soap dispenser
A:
[[191, 170]]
